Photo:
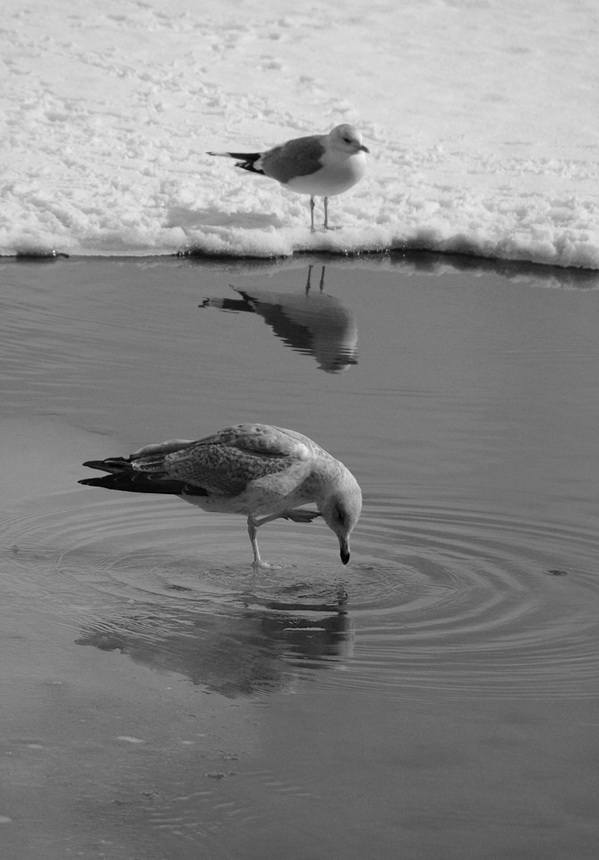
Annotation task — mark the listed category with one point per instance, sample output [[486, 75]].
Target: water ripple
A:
[[440, 600], [479, 611]]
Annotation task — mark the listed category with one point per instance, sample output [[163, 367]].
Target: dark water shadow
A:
[[246, 653], [515, 271], [411, 261], [309, 322]]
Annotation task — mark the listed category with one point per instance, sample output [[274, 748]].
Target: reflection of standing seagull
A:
[[321, 165], [312, 323], [256, 470]]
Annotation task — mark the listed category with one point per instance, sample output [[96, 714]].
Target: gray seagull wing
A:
[[226, 462], [298, 157]]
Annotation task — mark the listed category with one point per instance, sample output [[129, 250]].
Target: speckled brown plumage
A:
[[258, 470]]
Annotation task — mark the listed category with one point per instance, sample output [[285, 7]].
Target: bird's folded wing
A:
[[299, 157], [161, 448], [263, 440], [229, 460]]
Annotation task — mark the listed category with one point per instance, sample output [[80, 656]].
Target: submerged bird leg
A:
[[252, 526], [312, 204]]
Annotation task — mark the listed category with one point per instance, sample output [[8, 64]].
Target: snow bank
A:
[[480, 116]]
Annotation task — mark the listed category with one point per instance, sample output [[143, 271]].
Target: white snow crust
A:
[[481, 117]]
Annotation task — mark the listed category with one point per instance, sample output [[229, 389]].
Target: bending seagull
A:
[[256, 470], [321, 165]]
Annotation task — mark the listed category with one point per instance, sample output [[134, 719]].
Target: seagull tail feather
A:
[[121, 476], [246, 160]]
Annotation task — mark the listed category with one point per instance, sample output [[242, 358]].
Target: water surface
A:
[[437, 697]]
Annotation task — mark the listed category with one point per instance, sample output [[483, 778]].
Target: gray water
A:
[[439, 697]]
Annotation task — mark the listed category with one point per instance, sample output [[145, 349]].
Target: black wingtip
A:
[[112, 464], [104, 481]]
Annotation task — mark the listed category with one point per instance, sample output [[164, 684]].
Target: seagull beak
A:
[[344, 547], [363, 148]]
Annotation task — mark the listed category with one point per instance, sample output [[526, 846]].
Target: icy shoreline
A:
[[406, 263]]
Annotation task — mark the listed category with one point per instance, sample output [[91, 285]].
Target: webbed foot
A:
[[300, 516]]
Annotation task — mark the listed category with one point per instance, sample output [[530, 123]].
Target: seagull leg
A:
[[300, 515], [252, 526], [312, 204], [326, 216], [297, 515]]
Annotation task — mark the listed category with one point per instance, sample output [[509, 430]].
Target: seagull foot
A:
[[300, 516], [265, 565]]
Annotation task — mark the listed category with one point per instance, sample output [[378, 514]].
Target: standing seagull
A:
[[256, 470], [321, 165]]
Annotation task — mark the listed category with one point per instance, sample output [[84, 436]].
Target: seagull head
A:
[[341, 512], [347, 138]]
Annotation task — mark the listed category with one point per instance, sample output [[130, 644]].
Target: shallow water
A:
[[437, 697]]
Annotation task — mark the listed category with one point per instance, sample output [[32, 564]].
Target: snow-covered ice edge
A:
[[483, 129]]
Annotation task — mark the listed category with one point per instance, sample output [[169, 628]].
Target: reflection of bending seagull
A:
[[234, 654], [322, 165], [252, 469]]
